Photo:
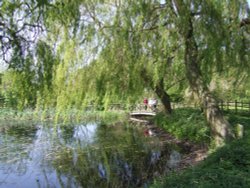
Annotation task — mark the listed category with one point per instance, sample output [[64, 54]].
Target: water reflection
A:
[[85, 133], [84, 155]]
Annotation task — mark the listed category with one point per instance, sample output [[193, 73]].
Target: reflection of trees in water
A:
[[24, 147], [21, 132], [27, 146], [15, 142], [66, 133], [119, 157], [86, 156]]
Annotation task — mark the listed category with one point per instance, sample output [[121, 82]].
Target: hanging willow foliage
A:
[[101, 52]]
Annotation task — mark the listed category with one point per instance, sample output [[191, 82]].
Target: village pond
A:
[[88, 154]]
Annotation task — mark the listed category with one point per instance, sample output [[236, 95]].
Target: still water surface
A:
[[81, 155]]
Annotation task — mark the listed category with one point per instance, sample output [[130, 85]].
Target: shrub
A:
[[185, 124]]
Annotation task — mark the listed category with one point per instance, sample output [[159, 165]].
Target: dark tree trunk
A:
[[219, 125], [159, 90], [164, 97]]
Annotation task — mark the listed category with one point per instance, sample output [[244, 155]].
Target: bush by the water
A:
[[185, 123]]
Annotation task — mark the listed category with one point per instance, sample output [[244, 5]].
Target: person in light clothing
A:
[[152, 103]]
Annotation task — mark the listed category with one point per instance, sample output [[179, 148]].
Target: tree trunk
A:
[[164, 97], [219, 125], [159, 90]]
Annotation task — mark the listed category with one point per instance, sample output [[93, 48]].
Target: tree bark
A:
[[219, 125], [159, 90], [164, 97]]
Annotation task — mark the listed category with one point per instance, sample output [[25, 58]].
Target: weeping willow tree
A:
[[203, 24], [25, 85], [130, 58], [45, 64], [145, 41], [18, 86]]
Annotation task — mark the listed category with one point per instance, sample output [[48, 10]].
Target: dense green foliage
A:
[[185, 124], [90, 53], [228, 166]]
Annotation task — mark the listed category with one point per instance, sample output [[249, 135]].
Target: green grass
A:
[[69, 115], [227, 167], [186, 123]]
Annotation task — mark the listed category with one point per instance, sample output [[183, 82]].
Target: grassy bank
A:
[[68, 115], [226, 167], [185, 124]]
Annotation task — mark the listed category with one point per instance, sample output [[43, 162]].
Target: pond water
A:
[[81, 155]]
